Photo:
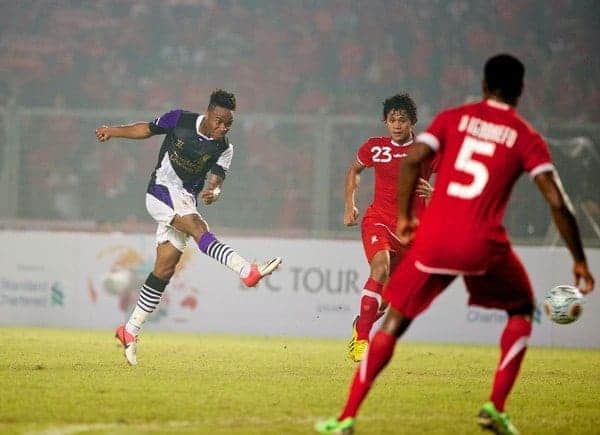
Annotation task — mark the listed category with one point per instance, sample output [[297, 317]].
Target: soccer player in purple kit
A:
[[194, 159]]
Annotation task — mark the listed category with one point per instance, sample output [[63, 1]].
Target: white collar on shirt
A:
[[497, 104], [405, 144]]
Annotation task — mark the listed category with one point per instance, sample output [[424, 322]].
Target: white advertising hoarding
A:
[[91, 280]]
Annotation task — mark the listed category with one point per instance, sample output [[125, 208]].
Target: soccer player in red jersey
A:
[[484, 147], [382, 248]]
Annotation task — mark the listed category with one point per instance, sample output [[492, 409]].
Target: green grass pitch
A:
[[76, 381]]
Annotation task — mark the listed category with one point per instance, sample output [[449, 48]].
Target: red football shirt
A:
[[384, 156], [483, 148]]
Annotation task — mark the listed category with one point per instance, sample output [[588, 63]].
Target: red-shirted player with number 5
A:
[[382, 248], [483, 147]]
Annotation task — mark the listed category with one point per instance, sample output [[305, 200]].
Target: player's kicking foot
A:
[[332, 426], [259, 270], [491, 419], [129, 342]]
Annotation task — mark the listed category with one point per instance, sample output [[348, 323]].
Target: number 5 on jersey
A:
[[465, 163]]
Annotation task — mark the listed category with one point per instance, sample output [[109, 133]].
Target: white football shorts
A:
[[163, 202]]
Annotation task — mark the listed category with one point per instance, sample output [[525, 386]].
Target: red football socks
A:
[[513, 345], [369, 308], [379, 353]]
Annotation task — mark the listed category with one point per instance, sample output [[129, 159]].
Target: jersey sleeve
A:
[[535, 156], [166, 122], [223, 163], [364, 156], [433, 136]]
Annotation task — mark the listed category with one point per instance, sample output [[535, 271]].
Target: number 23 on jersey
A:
[[382, 154]]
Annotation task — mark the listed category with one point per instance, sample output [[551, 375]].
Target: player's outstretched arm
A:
[[350, 188], [137, 130], [562, 212], [212, 189]]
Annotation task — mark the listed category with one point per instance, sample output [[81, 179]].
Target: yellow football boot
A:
[[356, 347], [360, 346], [352, 341]]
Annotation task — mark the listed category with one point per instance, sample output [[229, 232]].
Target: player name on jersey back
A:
[[488, 131]]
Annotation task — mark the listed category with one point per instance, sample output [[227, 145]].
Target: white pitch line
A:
[[69, 429]]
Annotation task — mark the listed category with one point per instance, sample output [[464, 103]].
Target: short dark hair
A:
[[223, 99], [504, 74], [401, 102]]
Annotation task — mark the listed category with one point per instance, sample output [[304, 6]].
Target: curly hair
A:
[[223, 99], [402, 102]]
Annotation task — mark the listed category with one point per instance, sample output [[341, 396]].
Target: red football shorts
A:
[[504, 285], [378, 235]]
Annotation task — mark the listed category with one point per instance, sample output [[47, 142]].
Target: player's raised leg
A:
[[250, 273], [150, 295]]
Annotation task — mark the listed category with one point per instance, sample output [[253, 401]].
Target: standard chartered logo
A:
[[57, 294]]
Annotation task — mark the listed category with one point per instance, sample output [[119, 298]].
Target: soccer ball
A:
[[117, 281], [563, 304]]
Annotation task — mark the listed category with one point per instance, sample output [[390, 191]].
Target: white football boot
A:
[[129, 342], [259, 270]]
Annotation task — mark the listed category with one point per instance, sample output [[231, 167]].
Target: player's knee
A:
[[192, 225], [198, 227], [202, 223]]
